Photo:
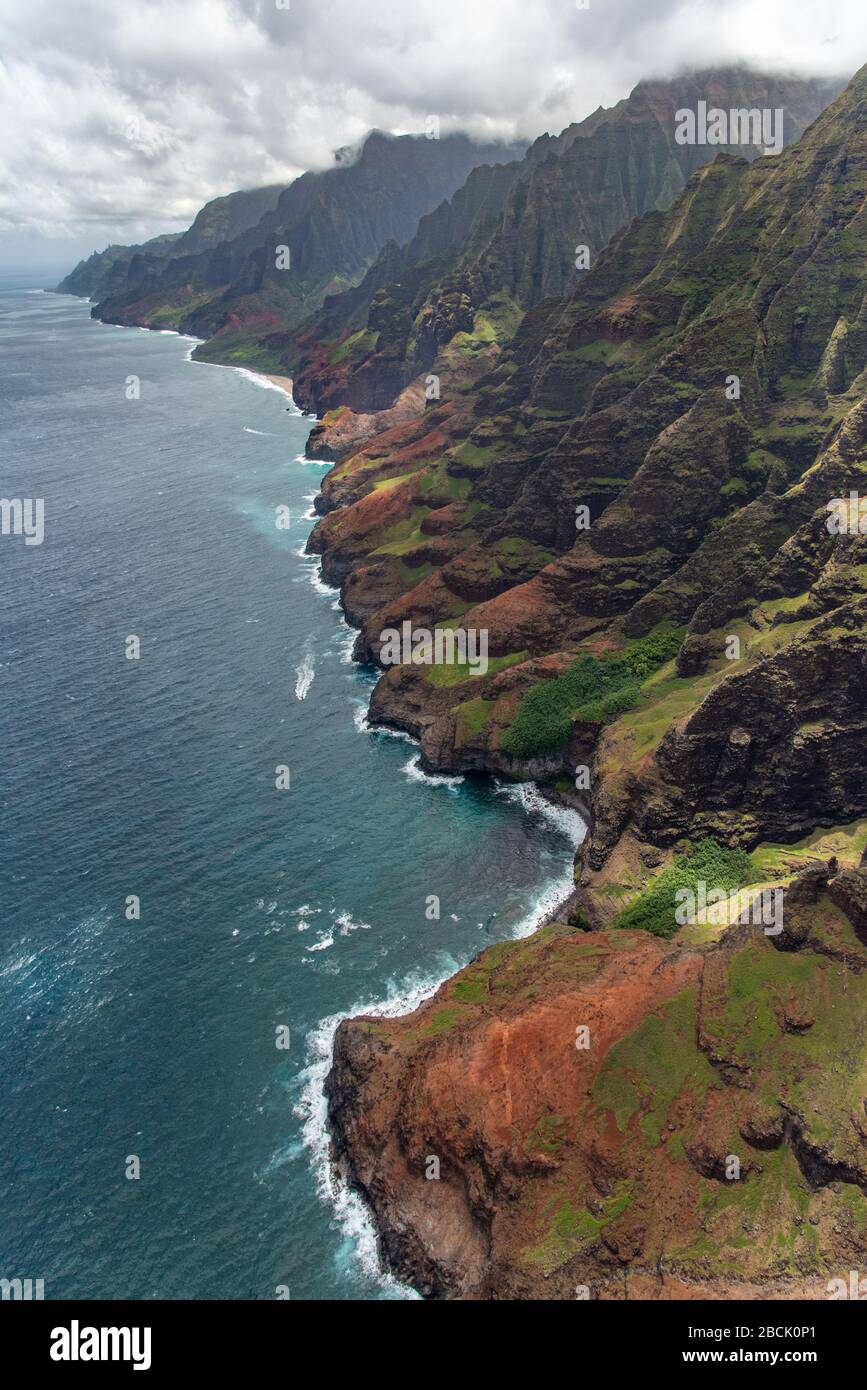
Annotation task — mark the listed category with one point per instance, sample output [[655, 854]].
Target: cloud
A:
[[129, 114]]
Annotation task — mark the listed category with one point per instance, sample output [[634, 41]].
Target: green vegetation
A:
[[412, 574], [571, 1227], [707, 862], [517, 548], [492, 326], [746, 1025], [470, 458], [776, 1201], [358, 345], [546, 1136], [648, 1069], [847, 842], [240, 350], [469, 991], [593, 690], [473, 715], [442, 1021], [404, 535], [438, 487], [386, 484], [458, 671]]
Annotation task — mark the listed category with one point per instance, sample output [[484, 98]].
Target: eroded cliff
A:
[[649, 501]]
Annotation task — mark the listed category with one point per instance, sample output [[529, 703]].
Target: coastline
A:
[[553, 898], [282, 383], [332, 1052], [274, 381], [353, 1214]]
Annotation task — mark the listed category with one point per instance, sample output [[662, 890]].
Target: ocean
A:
[[167, 911]]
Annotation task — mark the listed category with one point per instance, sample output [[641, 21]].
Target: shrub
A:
[[592, 690], [709, 862]]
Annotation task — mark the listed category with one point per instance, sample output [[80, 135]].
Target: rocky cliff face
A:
[[639, 499], [118, 269], [676, 407], [96, 275], [610, 1116], [225, 284], [508, 238]]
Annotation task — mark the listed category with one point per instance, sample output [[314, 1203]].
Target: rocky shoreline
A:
[[454, 1081], [493, 1054], [623, 479], [722, 1047]]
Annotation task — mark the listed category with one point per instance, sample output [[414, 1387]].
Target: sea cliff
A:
[[630, 495]]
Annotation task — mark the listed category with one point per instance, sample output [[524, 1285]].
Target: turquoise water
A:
[[156, 1037]]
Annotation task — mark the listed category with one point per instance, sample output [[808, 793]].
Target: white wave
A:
[[313, 573], [363, 726], [22, 962], [312, 1109], [531, 800], [265, 434], [324, 940], [350, 1211], [263, 382], [548, 900], [414, 773], [278, 1160], [346, 924], [173, 333], [346, 643], [305, 673]]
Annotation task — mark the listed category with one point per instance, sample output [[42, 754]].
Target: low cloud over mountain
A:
[[127, 117]]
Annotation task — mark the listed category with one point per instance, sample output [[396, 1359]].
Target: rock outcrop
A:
[[507, 239], [648, 499], [238, 289], [608, 1115]]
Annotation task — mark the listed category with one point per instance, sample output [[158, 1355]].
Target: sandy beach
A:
[[283, 382]]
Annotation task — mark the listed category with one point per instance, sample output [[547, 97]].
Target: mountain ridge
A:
[[686, 667], [240, 290], [519, 247], [218, 220]]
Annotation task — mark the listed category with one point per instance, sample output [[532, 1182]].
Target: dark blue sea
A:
[[154, 1038]]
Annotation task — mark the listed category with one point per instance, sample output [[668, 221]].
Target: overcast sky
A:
[[121, 117]]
